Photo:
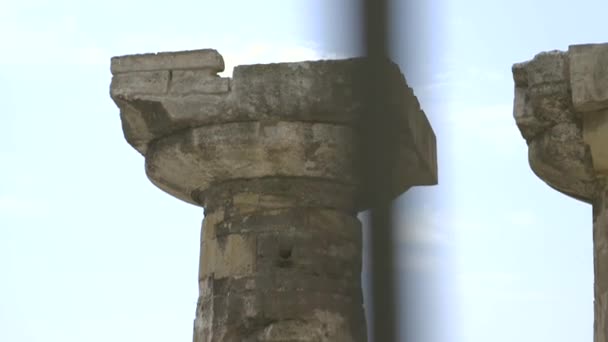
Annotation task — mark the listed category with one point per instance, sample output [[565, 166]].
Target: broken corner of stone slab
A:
[[561, 109], [301, 119]]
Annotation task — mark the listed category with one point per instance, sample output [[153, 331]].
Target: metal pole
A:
[[378, 153]]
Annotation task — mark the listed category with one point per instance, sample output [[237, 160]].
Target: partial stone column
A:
[[281, 261], [600, 256], [561, 109], [273, 156]]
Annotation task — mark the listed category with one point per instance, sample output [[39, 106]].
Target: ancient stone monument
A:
[[272, 156], [561, 109]]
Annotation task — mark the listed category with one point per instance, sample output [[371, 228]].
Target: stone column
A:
[[561, 109], [600, 256], [272, 156]]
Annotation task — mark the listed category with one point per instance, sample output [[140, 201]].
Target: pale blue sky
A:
[[91, 251]]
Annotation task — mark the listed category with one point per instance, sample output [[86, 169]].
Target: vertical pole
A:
[[377, 156]]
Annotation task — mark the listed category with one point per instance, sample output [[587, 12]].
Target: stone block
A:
[[595, 134], [334, 224], [245, 202], [135, 126], [206, 59], [206, 287], [210, 223], [274, 220], [229, 256], [321, 90], [589, 76], [186, 82], [138, 83], [282, 193], [310, 254], [207, 260], [276, 201], [281, 279]]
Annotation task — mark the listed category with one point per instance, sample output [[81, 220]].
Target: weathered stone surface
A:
[[273, 155], [233, 255], [561, 109], [206, 59], [589, 76], [261, 317], [301, 191], [546, 118], [186, 126], [186, 82], [189, 162], [600, 257], [595, 134], [140, 83], [302, 283]]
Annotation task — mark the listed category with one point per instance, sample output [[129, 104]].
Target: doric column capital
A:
[[561, 109], [196, 129]]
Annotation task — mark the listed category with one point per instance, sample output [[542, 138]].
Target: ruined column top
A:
[[561, 109], [282, 119]]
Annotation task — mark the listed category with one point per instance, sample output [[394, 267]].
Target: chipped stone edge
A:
[[179, 60]]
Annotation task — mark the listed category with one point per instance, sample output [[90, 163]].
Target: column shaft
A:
[[280, 261], [600, 256]]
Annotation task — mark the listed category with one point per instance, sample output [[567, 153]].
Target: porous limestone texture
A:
[[561, 109], [600, 257], [272, 156]]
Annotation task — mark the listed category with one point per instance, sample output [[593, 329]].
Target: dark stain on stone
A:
[[285, 252], [154, 114]]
